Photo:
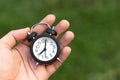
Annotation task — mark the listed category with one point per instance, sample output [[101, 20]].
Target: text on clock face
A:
[[45, 48]]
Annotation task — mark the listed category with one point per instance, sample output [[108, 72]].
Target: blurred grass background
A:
[[96, 24]]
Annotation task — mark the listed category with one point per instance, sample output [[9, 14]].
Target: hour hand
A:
[[42, 51]]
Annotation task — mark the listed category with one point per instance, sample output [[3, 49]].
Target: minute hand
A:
[[45, 48], [45, 44]]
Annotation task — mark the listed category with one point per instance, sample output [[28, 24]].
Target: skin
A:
[[16, 62]]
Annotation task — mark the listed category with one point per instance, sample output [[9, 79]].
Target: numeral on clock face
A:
[[45, 49]]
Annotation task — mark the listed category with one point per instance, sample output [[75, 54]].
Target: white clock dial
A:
[[45, 48]]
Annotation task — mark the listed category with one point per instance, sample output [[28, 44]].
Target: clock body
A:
[[44, 49]]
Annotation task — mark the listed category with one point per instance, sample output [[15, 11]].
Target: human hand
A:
[[16, 62]]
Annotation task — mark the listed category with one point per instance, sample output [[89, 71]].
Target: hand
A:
[[16, 62]]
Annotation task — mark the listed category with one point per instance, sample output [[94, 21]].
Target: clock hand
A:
[[45, 43], [45, 48], [42, 51]]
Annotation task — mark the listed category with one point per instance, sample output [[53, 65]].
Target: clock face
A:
[[45, 49]]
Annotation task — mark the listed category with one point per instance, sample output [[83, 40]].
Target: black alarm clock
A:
[[44, 48]]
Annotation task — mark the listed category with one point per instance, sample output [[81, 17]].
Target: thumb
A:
[[14, 36]]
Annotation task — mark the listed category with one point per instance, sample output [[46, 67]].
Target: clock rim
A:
[[40, 61]]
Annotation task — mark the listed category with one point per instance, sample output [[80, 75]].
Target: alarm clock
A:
[[44, 48]]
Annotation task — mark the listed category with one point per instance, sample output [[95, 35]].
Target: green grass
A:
[[96, 24]]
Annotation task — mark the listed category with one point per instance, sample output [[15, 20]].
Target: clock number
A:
[[54, 47], [46, 57], [51, 55], [51, 43], [44, 40], [53, 51], [37, 46], [39, 42]]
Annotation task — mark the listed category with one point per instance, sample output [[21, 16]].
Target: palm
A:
[[28, 66], [16, 62]]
